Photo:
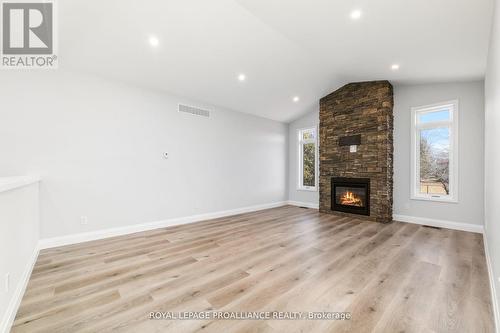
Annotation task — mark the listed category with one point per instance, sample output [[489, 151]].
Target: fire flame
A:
[[350, 199]]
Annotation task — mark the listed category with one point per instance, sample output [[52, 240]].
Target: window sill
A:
[[445, 200], [312, 189]]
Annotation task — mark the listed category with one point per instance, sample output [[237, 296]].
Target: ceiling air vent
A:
[[194, 110]]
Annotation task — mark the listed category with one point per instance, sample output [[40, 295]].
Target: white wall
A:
[[492, 153], [311, 119], [471, 151], [19, 233], [98, 147]]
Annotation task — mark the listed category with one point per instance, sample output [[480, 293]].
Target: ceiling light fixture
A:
[[395, 67], [356, 14], [242, 77], [296, 99], [154, 41]]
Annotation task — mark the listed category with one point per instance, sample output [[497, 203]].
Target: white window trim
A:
[[415, 149], [300, 187]]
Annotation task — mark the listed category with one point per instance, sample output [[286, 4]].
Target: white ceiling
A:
[[286, 48]]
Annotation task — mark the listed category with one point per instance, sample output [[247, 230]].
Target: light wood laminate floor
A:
[[396, 277]]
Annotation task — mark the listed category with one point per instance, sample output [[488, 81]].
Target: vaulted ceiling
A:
[[285, 48]]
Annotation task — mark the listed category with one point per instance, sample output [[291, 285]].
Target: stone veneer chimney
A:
[[364, 108]]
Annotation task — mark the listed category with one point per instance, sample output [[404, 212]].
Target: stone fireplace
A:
[[356, 151]]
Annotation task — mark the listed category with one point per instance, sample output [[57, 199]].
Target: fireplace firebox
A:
[[351, 195]]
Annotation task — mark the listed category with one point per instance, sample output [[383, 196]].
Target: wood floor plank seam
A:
[[391, 277]]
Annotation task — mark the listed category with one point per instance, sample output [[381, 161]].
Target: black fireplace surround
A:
[[351, 195]]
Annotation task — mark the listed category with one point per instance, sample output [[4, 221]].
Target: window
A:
[[435, 152], [308, 157]]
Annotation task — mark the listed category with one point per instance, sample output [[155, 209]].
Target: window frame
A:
[[301, 142], [453, 126]]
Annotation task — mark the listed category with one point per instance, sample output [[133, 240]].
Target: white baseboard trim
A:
[[303, 204], [10, 313], [106, 233], [439, 223], [494, 300]]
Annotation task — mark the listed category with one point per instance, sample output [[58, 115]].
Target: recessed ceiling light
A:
[[395, 67], [296, 99], [242, 77], [154, 41], [356, 14]]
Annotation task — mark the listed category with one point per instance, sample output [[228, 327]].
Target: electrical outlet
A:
[[84, 220], [7, 282]]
